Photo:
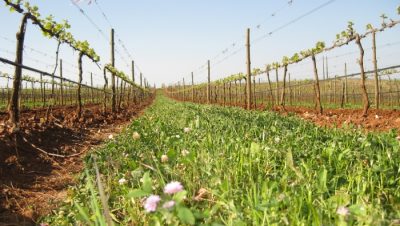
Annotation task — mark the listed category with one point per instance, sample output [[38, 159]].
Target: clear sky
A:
[[168, 39]]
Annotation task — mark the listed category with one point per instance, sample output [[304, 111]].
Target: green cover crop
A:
[[238, 167]]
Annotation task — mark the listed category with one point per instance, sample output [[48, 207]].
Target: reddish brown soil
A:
[[377, 120], [32, 183]]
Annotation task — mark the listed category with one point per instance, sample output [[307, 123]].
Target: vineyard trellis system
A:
[[65, 90], [337, 91]]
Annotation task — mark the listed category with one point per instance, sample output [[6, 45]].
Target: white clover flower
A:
[[187, 130], [136, 136], [122, 181], [277, 139], [110, 137], [184, 152], [343, 211], [177, 136], [281, 197], [164, 158]]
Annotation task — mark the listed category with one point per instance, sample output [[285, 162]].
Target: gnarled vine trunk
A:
[[270, 87], [316, 87], [105, 91], [375, 62], [363, 87], [79, 113], [282, 103], [277, 86], [13, 109], [52, 100]]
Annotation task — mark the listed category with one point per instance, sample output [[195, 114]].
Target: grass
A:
[[258, 168]]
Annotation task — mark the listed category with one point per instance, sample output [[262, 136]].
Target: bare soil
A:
[[377, 120], [32, 183]]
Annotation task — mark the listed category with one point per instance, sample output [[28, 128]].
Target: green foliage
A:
[[255, 71], [295, 58], [275, 65], [28, 78], [369, 27], [345, 36], [285, 61], [319, 47], [122, 75], [306, 53], [52, 29], [186, 216], [350, 28], [389, 72]]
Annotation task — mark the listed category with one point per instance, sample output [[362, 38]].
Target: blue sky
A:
[[170, 39]]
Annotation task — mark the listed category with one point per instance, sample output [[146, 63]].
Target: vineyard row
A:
[[303, 92]]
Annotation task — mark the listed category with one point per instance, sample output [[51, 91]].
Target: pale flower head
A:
[[177, 136], [343, 211], [277, 139], [136, 136], [122, 181], [169, 204], [110, 137], [184, 152], [281, 197], [164, 158], [187, 130], [150, 204], [173, 187]]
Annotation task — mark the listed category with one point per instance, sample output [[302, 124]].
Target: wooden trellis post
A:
[[113, 95], [248, 80], [61, 83], [236, 93], [208, 83], [277, 86], [183, 90], [42, 91], [224, 93], [346, 94], [282, 103], [192, 88]]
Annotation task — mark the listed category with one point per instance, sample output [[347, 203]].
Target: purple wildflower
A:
[[169, 204], [173, 187], [151, 203]]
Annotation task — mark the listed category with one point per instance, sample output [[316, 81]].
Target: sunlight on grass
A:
[[239, 168]]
